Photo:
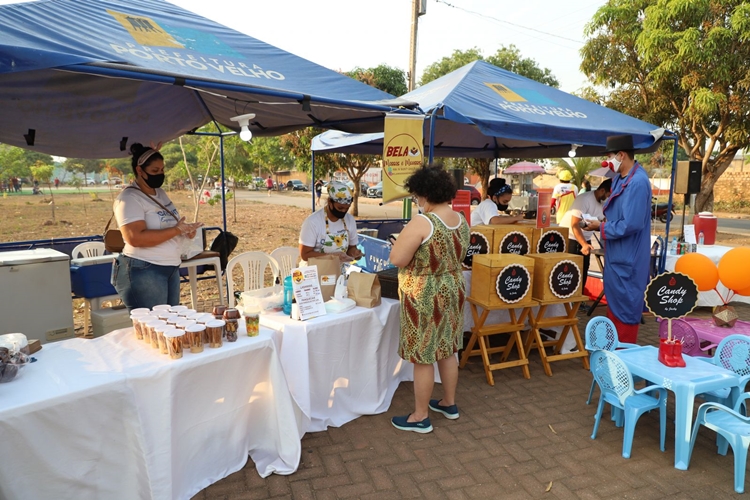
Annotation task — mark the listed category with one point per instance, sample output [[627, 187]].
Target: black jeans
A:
[[575, 247]]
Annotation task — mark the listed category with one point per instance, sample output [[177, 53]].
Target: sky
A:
[[343, 34]]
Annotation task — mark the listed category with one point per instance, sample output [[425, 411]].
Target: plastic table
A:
[[695, 378], [707, 330]]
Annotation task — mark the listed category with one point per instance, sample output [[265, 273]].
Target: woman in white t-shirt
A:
[[331, 230], [499, 195], [147, 272]]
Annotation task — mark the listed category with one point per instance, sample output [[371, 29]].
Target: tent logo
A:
[[505, 92], [145, 30]]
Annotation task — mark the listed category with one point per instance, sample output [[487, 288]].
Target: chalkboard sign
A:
[[671, 295], [551, 242], [564, 279], [478, 245], [515, 242], [513, 283]]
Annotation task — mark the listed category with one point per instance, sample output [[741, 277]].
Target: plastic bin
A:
[[708, 223], [90, 276], [376, 254]]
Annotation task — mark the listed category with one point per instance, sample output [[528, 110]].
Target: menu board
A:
[[307, 292], [671, 295]]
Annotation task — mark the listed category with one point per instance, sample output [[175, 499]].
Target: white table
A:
[[112, 418], [341, 366], [710, 298]]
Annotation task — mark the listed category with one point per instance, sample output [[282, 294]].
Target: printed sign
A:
[[478, 245], [513, 283], [307, 292], [402, 153], [515, 242], [551, 242], [564, 279], [671, 295]]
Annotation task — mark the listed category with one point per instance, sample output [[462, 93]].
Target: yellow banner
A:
[[402, 153]]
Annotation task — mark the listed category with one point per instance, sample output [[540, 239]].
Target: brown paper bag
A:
[[364, 289], [329, 270]]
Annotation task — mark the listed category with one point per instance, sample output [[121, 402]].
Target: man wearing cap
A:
[[626, 235], [563, 195], [331, 230]]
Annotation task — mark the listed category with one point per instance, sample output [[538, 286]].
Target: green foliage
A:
[[43, 173], [383, 77], [217, 198], [17, 162], [580, 168]]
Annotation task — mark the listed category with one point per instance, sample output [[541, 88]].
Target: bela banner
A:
[[402, 153]]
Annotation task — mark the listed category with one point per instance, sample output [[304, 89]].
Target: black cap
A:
[[617, 143]]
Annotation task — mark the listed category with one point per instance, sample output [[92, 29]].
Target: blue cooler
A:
[[90, 276], [376, 253]]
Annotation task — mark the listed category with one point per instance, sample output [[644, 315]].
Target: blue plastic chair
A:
[[616, 385], [601, 335], [733, 427], [733, 354]]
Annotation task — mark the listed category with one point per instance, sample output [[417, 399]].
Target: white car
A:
[[112, 180], [90, 182]]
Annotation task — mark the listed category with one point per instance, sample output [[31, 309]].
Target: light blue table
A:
[[695, 378]]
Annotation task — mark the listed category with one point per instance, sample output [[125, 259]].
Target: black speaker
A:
[[688, 177]]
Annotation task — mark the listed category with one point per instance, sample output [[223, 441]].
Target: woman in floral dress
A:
[[429, 252]]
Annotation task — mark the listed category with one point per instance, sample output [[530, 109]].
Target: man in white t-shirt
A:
[[587, 206], [331, 230]]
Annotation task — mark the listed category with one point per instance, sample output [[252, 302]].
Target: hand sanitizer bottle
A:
[[673, 246]]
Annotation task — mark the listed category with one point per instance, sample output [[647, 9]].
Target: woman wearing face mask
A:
[[499, 195], [331, 230], [146, 273]]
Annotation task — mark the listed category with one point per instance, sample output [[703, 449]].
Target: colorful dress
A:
[[432, 292]]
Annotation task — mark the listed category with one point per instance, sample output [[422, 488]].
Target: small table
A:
[[203, 259], [706, 329], [479, 331], [695, 378], [569, 322]]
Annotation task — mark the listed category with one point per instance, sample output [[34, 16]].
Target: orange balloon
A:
[[700, 268], [734, 269]]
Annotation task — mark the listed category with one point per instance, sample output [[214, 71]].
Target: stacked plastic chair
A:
[[601, 335]]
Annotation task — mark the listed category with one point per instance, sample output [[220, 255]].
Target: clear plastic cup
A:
[[135, 316], [160, 335], [177, 309], [144, 321], [153, 335], [196, 316], [173, 319], [161, 307], [186, 312], [173, 339], [252, 322], [214, 332], [196, 333]]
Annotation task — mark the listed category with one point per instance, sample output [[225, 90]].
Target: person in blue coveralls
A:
[[626, 235]]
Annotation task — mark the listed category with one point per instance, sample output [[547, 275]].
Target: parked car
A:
[[363, 187], [90, 182], [376, 191], [296, 185], [476, 196], [112, 180]]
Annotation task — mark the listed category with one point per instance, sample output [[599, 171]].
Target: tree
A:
[[383, 77], [44, 173], [680, 64], [17, 162], [580, 168], [83, 166]]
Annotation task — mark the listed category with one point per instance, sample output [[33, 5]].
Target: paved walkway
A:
[[519, 439]]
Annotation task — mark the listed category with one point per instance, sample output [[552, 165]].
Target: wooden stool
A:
[[479, 332], [569, 322]]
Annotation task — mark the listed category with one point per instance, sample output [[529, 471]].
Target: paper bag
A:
[[364, 289], [329, 270]]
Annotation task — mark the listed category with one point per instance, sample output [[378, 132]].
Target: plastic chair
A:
[[733, 354], [288, 258], [253, 266], [683, 331], [733, 427], [88, 249], [616, 385], [601, 335]]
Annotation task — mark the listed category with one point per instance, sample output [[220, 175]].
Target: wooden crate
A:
[[513, 238], [557, 276], [480, 243], [553, 240], [490, 268]]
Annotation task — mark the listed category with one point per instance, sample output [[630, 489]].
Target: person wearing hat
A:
[[331, 230], [563, 195], [488, 212], [626, 235]]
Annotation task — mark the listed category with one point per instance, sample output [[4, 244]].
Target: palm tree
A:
[[580, 169]]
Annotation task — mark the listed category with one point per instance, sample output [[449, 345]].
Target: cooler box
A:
[[90, 276], [376, 253], [109, 319], [708, 223]]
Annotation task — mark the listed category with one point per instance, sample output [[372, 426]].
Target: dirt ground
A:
[[257, 225]]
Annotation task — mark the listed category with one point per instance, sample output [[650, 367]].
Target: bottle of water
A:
[[673, 246], [701, 238]]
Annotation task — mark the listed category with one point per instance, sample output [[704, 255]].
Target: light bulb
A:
[[245, 133], [572, 152]]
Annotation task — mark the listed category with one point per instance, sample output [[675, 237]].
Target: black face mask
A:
[[337, 213], [501, 207], [155, 180]]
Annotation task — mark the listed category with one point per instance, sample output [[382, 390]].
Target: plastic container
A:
[[90, 276], [376, 254], [706, 223], [15, 342], [288, 293], [173, 339]]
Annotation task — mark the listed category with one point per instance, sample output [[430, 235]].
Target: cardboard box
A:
[[502, 279], [481, 241], [557, 276], [550, 240], [513, 238]]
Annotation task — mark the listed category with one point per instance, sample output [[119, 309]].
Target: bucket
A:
[[706, 223]]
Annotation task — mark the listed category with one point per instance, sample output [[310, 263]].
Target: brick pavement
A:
[[512, 441]]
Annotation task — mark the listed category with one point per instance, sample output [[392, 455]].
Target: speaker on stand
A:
[[687, 181]]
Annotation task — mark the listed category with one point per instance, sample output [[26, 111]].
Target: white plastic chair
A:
[[88, 249], [287, 258], [253, 266]]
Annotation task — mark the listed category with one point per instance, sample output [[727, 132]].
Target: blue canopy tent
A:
[[88, 78], [482, 111]]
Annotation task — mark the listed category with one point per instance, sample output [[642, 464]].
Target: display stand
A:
[[569, 322], [479, 332]]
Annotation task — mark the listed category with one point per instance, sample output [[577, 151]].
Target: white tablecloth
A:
[[341, 366], [710, 298], [112, 418]]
